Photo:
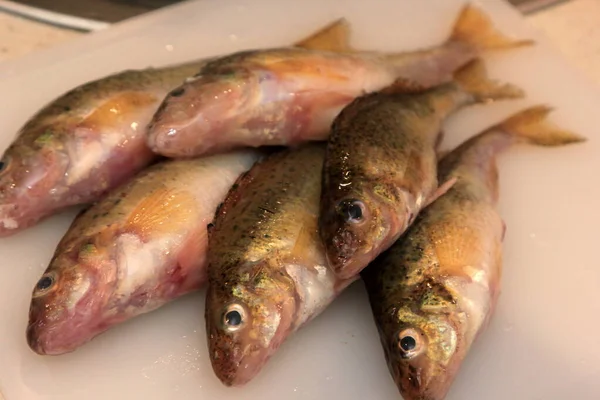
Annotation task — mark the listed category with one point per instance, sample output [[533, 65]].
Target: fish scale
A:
[[435, 289], [287, 96], [380, 164], [266, 263], [137, 249], [81, 145]]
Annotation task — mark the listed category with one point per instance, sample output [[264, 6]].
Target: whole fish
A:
[[267, 271], [286, 96], [140, 247], [380, 164], [93, 138], [433, 292], [82, 144]]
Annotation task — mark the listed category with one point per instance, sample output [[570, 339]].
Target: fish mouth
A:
[[45, 338], [344, 258], [169, 139], [62, 336], [424, 394], [346, 252], [40, 343], [55, 328], [421, 382], [238, 356], [233, 363]]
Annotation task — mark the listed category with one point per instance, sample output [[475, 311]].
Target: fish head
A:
[[31, 170], [191, 115], [246, 320], [423, 351], [69, 300], [356, 224]]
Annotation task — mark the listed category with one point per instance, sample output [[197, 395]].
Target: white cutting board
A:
[[543, 342]]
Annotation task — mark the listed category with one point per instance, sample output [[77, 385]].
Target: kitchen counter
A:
[[20, 36]]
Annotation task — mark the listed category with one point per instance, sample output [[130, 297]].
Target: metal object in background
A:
[[531, 6], [92, 15], [84, 15]]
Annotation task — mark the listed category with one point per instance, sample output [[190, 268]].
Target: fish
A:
[[267, 273], [434, 291], [82, 144], [140, 247], [380, 164], [92, 139], [287, 96]]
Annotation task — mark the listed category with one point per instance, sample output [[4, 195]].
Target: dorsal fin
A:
[[334, 37]]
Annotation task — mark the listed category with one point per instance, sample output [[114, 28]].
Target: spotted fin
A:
[[165, 210]]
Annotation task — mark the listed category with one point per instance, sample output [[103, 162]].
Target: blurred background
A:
[[29, 25]]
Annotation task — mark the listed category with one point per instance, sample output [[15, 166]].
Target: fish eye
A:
[[352, 210], [44, 285], [233, 317], [178, 92], [4, 164], [410, 343]]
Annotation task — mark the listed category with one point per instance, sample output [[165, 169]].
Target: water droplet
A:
[[169, 47], [233, 37]]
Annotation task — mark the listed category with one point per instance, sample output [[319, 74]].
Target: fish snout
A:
[[232, 364], [344, 255], [340, 249], [175, 139], [40, 337]]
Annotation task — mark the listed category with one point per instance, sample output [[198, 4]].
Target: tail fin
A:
[[474, 80], [475, 28], [334, 37], [531, 125]]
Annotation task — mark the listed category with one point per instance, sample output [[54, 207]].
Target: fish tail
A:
[[474, 28], [473, 79], [532, 126]]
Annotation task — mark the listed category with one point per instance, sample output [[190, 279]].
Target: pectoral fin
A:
[[163, 211], [440, 191]]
